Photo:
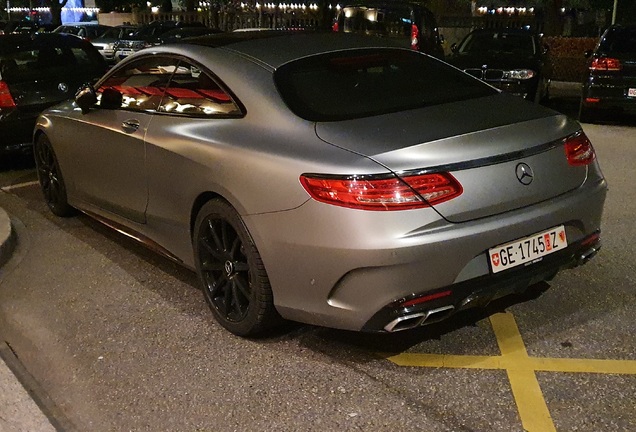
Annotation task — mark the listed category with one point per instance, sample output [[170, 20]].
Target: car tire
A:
[[231, 271], [50, 178], [587, 115]]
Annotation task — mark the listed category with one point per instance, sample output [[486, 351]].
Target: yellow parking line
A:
[[533, 410], [520, 367]]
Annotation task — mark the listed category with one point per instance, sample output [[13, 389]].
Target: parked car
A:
[[37, 71], [610, 84], [178, 34], [83, 30], [24, 26], [326, 178], [105, 43], [147, 36], [410, 22], [513, 60]]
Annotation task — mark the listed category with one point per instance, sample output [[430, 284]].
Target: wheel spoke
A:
[[55, 191], [212, 266], [228, 299], [204, 242], [237, 300], [236, 247], [215, 235], [218, 287], [243, 287], [225, 234]]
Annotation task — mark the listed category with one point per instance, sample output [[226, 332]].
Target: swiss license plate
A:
[[527, 250], [631, 92]]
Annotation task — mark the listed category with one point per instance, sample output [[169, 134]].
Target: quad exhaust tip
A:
[[406, 322]]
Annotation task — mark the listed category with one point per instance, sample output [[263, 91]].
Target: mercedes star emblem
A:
[[524, 174]]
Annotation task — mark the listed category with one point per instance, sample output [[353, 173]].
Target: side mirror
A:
[[441, 39], [454, 48], [85, 98], [111, 99], [546, 49]]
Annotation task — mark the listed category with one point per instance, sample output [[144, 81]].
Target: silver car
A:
[[330, 179]]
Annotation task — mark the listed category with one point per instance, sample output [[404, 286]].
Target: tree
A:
[[55, 6], [549, 11]]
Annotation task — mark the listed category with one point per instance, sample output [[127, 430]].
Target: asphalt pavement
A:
[[19, 410], [23, 404]]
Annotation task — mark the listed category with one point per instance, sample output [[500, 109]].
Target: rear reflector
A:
[[382, 192], [579, 150], [605, 64], [6, 100], [591, 239], [426, 298]]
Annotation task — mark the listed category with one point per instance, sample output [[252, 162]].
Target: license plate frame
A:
[[631, 92], [527, 250]]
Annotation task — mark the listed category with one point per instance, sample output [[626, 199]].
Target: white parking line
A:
[[18, 186]]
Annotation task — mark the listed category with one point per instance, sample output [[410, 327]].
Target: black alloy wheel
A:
[[235, 283], [50, 178]]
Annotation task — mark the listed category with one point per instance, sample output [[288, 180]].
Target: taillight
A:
[[335, 27], [605, 64], [415, 34], [381, 192], [6, 100], [579, 150]]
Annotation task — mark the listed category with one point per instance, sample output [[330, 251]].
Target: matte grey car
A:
[[330, 179]]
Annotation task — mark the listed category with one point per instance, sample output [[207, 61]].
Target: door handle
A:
[[130, 125]]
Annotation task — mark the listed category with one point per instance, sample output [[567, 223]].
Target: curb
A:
[[7, 237]]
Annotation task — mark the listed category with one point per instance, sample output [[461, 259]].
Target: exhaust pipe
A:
[[586, 256], [406, 322]]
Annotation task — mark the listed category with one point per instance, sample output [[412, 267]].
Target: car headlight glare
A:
[[522, 74]]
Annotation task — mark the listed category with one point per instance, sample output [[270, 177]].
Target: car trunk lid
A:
[[487, 144]]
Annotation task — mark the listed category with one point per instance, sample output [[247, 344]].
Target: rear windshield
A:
[[619, 41], [366, 82], [498, 43]]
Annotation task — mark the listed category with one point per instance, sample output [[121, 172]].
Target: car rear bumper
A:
[[602, 93], [17, 133], [355, 273], [480, 291]]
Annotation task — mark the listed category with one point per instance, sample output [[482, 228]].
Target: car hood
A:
[[494, 61], [480, 141]]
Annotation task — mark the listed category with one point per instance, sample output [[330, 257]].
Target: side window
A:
[[194, 92], [142, 83]]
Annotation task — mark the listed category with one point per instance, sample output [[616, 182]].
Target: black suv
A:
[[413, 23], [147, 36], [36, 72], [513, 60], [610, 85]]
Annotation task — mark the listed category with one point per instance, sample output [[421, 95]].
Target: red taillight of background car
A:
[[6, 100], [415, 34], [382, 192], [335, 27], [579, 150], [605, 64]]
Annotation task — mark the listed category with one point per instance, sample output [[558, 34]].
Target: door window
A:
[[142, 83], [194, 92]]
